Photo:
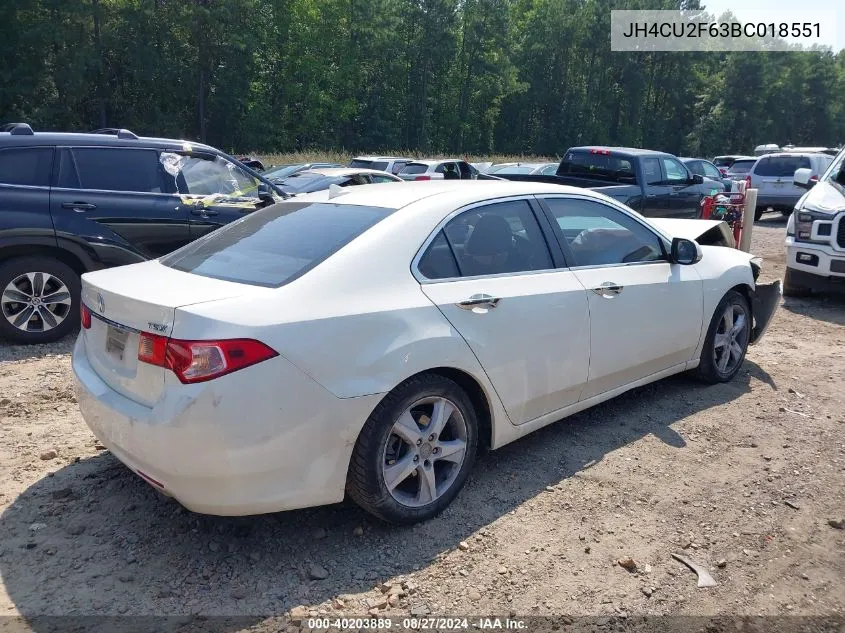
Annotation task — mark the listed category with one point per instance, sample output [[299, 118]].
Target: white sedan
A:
[[369, 343]]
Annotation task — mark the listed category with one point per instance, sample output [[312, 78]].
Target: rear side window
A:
[[415, 168], [439, 260], [380, 165], [26, 166], [276, 245], [651, 171], [116, 169], [596, 164], [781, 166]]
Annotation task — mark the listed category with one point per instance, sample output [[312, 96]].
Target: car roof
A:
[[782, 154], [436, 161], [381, 158], [460, 192], [93, 140], [748, 159], [630, 151]]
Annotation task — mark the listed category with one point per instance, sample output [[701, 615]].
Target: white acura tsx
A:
[[369, 341]]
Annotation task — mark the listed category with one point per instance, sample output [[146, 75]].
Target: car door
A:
[[25, 194], [655, 191], [214, 191], [118, 201], [491, 273], [684, 195], [645, 313], [709, 170]]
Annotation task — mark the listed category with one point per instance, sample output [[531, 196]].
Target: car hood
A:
[[693, 229], [825, 197]]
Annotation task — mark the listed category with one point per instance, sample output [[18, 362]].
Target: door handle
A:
[[202, 211], [79, 207], [479, 301], [608, 289]]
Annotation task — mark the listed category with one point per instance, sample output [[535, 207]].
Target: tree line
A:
[[462, 76]]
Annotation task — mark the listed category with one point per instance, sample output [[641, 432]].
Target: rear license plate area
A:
[[116, 342]]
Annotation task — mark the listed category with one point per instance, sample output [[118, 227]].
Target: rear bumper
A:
[[785, 201], [765, 300], [247, 443]]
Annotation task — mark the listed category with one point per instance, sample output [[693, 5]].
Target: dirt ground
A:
[[743, 478]]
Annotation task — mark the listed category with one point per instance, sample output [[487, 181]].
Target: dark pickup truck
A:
[[655, 184]]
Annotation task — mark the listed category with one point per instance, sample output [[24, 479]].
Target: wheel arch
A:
[[478, 395], [19, 251]]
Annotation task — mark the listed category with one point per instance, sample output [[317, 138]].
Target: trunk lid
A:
[[128, 300]]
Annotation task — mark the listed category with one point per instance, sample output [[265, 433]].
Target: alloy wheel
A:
[[731, 338], [35, 302], [425, 451]]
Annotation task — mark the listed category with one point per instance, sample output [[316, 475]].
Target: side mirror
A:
[[803, 178], [697, 179], [265, 194], [685, 252]]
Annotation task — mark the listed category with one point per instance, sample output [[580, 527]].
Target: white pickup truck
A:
[[815, 233]]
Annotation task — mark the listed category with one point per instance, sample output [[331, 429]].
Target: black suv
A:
[[71, 203]]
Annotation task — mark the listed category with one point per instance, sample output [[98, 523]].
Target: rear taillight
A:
[[198, 361], [85, 316], [747, 183], [723, 171], [423, 178], [814, 178]]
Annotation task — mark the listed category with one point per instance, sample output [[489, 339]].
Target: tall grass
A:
[[343, 157]]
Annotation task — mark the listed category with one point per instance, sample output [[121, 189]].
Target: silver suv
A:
[[772, 177]]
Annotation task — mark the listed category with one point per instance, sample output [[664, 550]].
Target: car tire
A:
[[712, 367], [791, 289], [19, 278], [786, 212], [758, 213], [386, 441]]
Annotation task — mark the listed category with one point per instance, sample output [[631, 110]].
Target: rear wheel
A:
[[39, 300], [758, 213], [727, 339], [415, 451], [792, 289]]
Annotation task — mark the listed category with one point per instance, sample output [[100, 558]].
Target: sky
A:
[[788, 11]]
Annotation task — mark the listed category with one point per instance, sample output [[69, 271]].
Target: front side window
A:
[[276, 245], [26, 166], [204, 177], [599, 235], [502, 237], [551, 170], [676, 173], [112, 169]]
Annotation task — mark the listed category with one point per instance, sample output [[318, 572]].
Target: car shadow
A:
[[772, 218], [15, 352], [94, 539], [821, 307]]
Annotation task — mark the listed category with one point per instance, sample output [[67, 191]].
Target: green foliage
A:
[[440, 76]]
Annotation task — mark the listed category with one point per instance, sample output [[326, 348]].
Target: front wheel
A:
[[727, 339], [415, 451], [38, 300]]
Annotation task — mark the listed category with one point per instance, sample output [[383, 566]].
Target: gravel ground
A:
[[744, 478]]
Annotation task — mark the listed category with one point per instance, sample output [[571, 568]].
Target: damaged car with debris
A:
[[368, 345], [73, 203]]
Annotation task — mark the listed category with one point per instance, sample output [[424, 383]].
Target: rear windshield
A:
[[514, 169], [602, 166], [381, 165], [742, 166], [723, 161], [276, 245], [305, 182], [414, 168], [781, 165]]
